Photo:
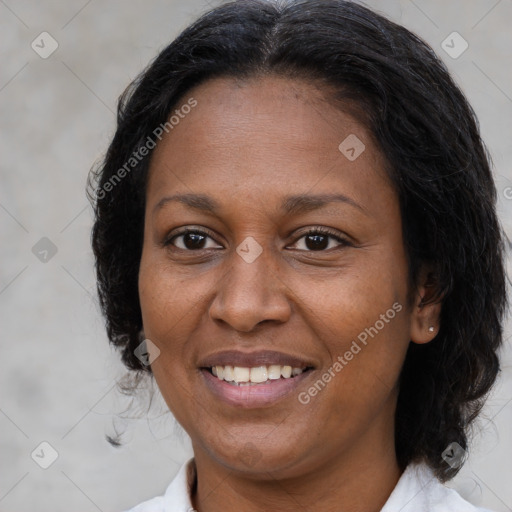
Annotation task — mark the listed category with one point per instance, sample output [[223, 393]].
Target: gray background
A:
[[57, 372]]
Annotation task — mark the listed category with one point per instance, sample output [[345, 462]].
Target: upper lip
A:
[[253, 359]]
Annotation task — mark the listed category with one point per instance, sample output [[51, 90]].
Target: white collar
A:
[[418, 490]]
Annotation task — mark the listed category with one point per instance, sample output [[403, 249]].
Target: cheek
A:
[[361, 317], [165, 295], [162, 305], [168, 316], [172, 306], [347, 303], [366, 354]]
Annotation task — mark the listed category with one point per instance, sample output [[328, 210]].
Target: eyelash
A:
[[316, 231]]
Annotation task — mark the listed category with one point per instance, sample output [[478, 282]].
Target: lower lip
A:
[[256, 395]]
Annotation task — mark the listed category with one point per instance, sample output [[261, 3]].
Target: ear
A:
[[425, 318]]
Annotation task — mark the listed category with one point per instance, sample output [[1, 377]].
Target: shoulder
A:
[[418, 490]]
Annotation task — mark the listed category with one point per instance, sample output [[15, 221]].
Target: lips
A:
[[254, 359], [245, 390]]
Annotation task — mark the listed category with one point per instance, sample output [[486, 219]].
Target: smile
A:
[[255, 387], [244, 376]]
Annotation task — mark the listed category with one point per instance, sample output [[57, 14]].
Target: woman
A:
[[296, 235]]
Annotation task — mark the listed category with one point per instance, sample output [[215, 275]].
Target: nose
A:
[[250, 294]]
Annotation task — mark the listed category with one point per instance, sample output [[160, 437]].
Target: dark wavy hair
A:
[[436, 159]]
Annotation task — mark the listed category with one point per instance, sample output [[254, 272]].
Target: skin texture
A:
[[248, 145]]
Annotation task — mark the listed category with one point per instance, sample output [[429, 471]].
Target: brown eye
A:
[[319, 240], [190, 240]]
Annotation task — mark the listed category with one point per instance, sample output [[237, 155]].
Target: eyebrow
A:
[[291, 205]]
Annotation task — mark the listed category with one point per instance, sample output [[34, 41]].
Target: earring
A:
[[431, 328]]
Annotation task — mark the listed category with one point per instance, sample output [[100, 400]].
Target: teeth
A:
[[274, 372], [229, 374], [240, 374], [243, 376], [259, 374], [286, 372]]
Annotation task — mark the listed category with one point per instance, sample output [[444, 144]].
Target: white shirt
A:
[[418, 490]]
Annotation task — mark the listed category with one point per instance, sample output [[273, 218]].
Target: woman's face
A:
[[259, 164]]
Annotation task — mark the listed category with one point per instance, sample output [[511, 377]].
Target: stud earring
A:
[[431, 328]]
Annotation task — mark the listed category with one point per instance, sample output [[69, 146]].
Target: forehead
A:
[[265, 135]]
